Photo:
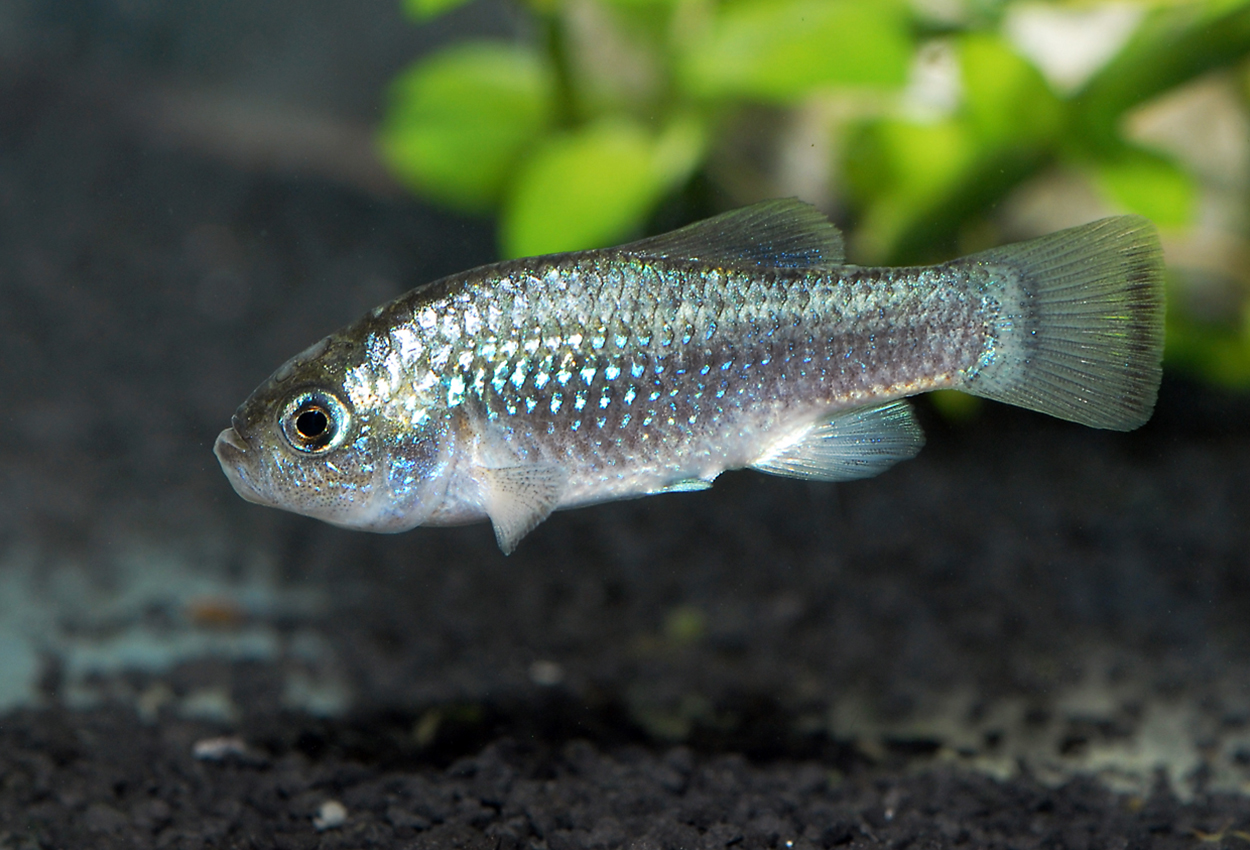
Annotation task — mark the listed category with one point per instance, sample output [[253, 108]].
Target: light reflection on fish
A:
[[517, 388]]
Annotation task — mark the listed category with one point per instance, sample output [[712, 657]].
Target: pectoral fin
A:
[[518, 498], [857, 444]]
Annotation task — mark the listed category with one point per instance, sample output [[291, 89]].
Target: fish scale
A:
[[744, 341], [779, 348]]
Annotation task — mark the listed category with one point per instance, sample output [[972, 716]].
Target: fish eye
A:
[[315, 422], [312, 424]]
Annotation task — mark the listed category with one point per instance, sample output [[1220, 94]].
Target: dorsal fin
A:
[[780, 234]]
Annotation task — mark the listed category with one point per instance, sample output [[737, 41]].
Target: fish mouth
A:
[[231, 438], [232, 453]]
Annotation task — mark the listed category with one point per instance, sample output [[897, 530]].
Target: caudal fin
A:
[[1080, 335]]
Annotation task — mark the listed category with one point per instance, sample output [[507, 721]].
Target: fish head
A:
[[316, 439]]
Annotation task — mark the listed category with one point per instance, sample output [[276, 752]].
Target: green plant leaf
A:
[[924, 159], [459, 121], [897, 171], [954, 405], [1216, 354], [781, 50], [1005, 97], [919, 183], [595, 186], [1148, 184], [644, 4], [425, 9]]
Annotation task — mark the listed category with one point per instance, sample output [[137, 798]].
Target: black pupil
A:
[[312, 424]]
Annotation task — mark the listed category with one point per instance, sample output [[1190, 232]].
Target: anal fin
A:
[[860, 443], [518, 498], [685, 485]]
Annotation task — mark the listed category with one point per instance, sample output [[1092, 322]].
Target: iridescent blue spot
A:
[[604, 401], [541, 379], [625, 420], [501, 376], [588, 375], [621, 340], [636, 369], [611, 372], [706, 368], [601, 422], [577, 423], [455, 391], [530, 404], [518, 376], [630, 395], [579, 401], [556, 401]]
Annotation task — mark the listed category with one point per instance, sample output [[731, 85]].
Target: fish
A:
[[518, 388]]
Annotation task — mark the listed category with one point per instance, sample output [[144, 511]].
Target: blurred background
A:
[[192, 192], [926, 128]]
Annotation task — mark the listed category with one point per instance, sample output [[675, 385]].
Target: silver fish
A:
[[514, 389]]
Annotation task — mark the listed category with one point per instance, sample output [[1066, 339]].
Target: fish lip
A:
[[232, 453], [231, 438]]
